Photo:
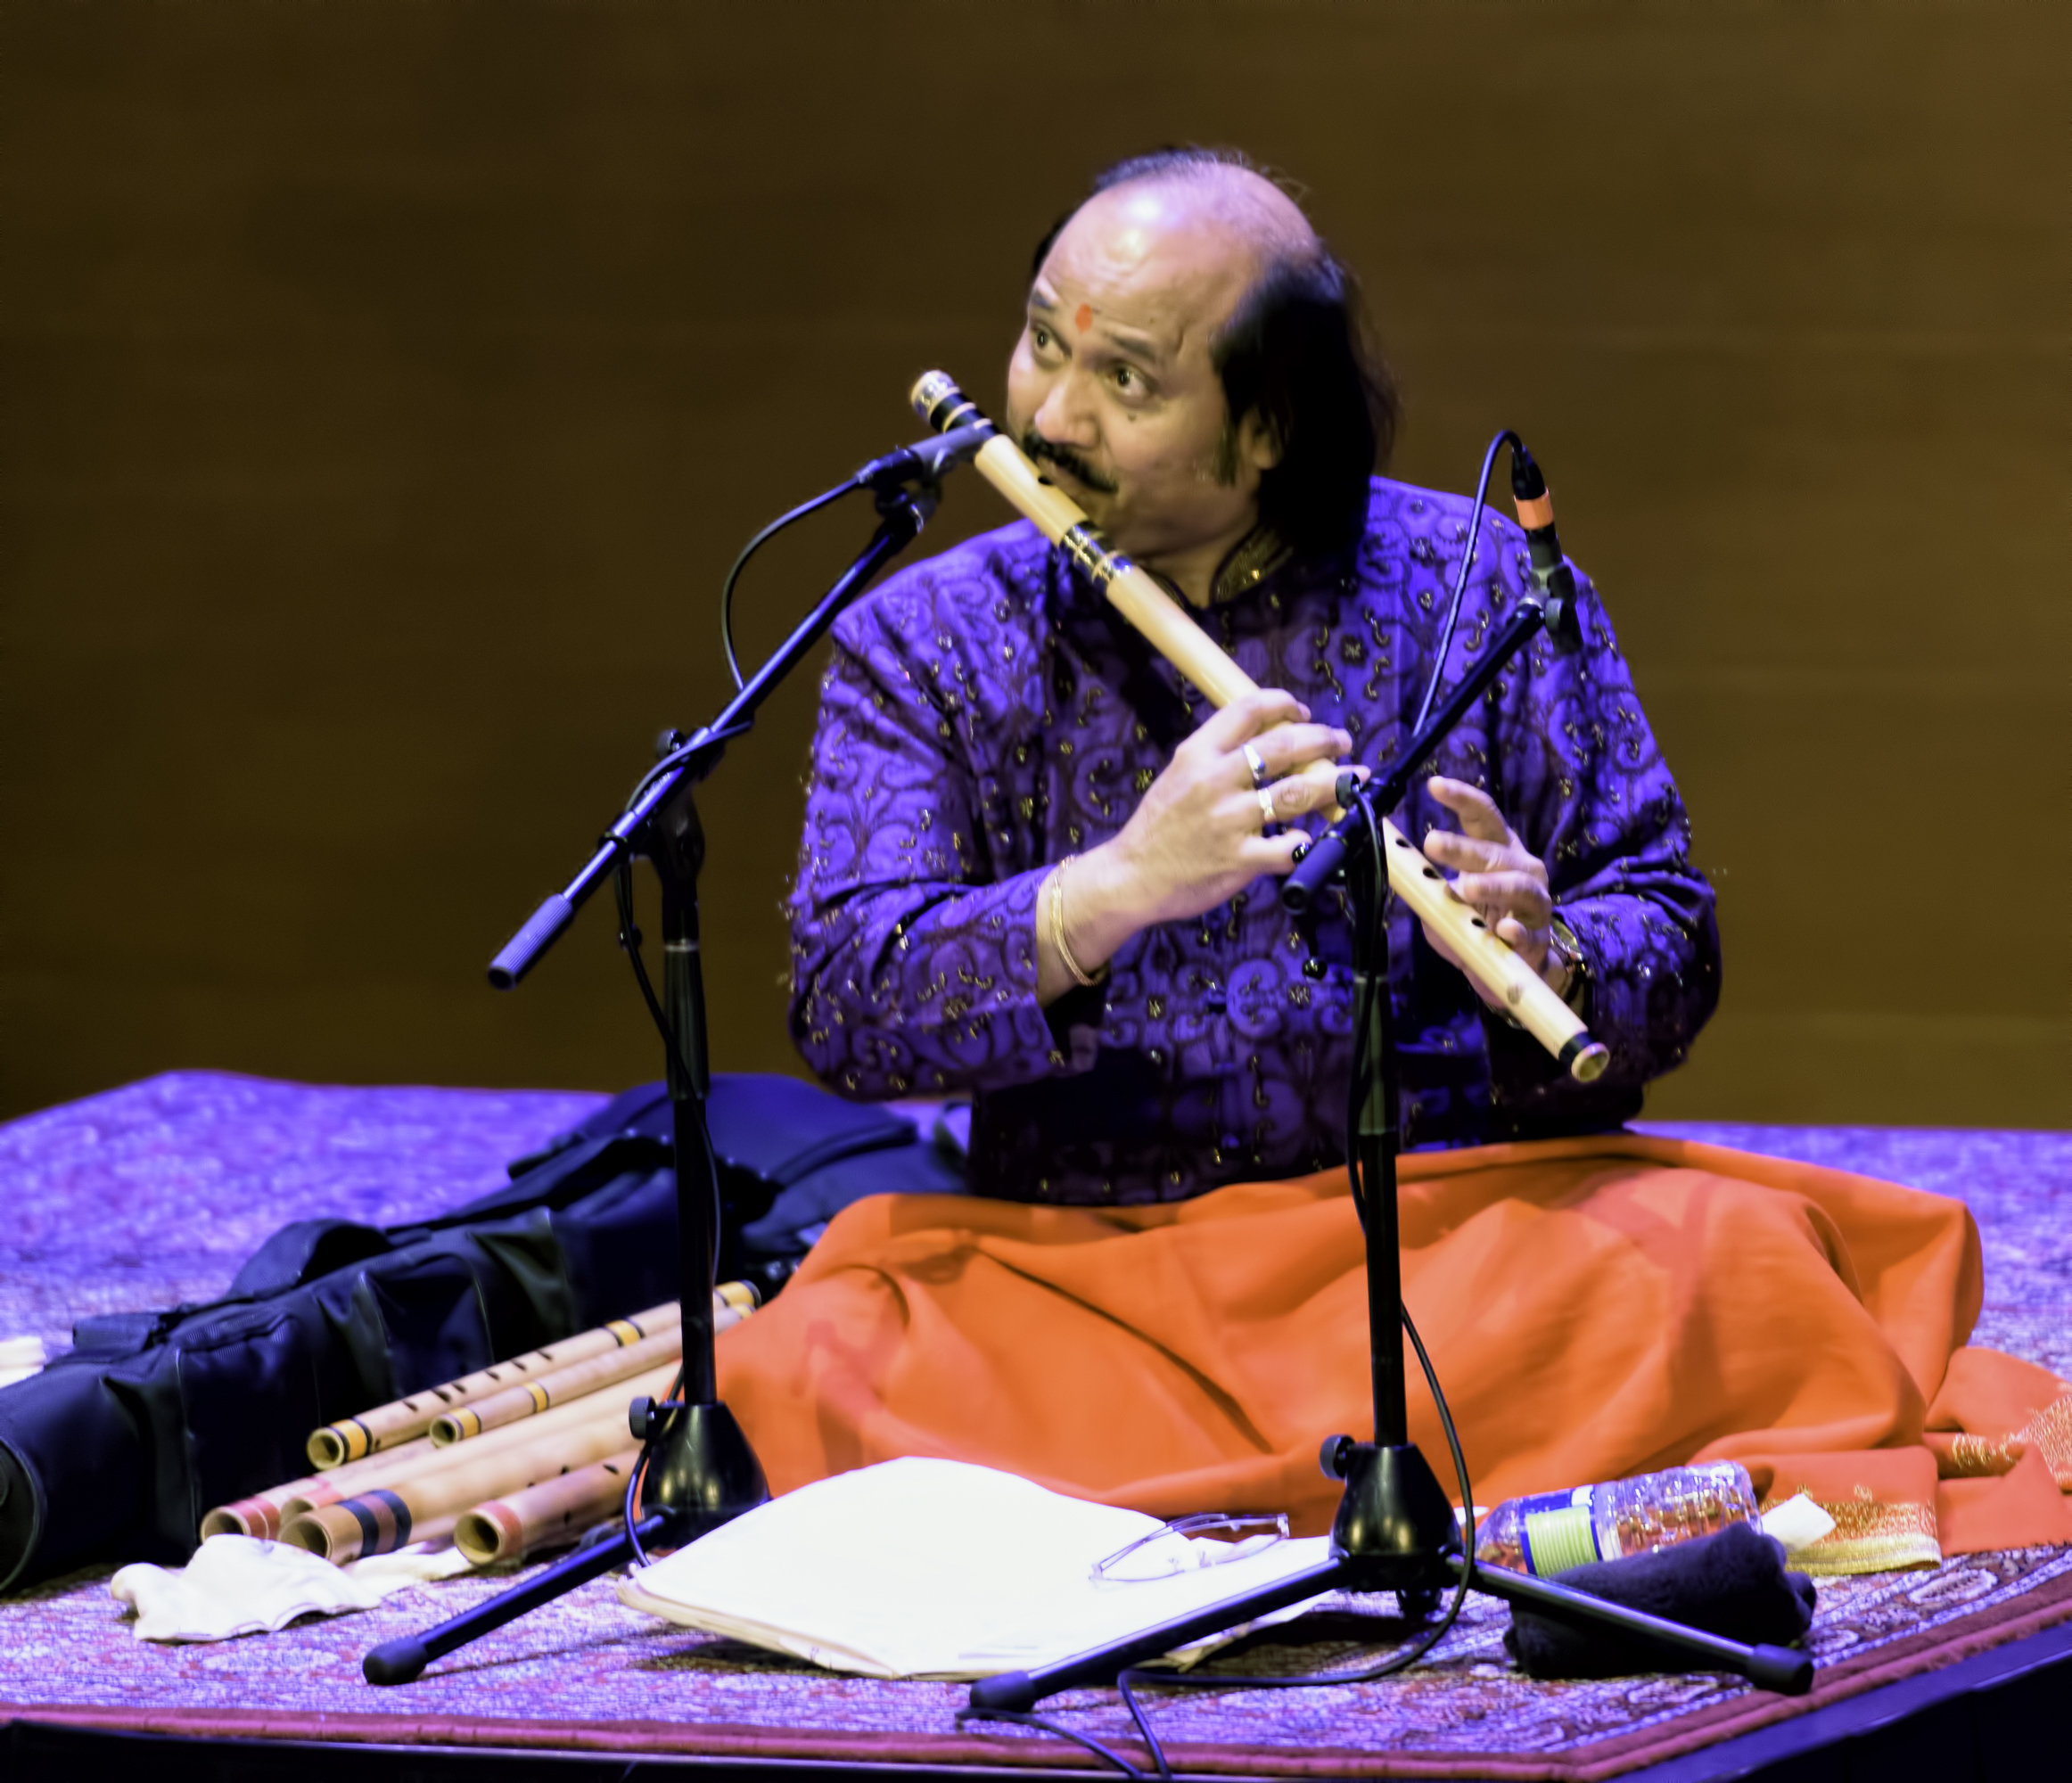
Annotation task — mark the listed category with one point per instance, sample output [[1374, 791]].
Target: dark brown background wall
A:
[[387, 387]]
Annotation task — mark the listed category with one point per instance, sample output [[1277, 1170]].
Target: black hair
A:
[[1296, 352]]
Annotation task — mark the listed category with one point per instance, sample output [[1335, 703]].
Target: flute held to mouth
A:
[[1245, 729]]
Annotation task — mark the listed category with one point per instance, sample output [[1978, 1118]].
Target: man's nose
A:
[[1066, 416]]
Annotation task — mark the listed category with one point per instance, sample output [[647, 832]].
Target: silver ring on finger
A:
[[1267, 819], [1256, 763]]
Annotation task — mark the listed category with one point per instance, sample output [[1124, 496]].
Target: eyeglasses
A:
[[1185, 1556]]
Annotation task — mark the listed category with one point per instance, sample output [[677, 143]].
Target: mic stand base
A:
[[403, 1660], [703, 1473], [1394, 1520], [1395, 1532]]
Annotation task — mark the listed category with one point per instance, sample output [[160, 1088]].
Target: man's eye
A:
[[1040, 335]]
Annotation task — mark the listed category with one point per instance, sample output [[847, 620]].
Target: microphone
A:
[[925, 460], [1550, 573], [1553, 590]]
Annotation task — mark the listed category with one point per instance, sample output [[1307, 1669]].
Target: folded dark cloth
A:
[[1732, 1584]]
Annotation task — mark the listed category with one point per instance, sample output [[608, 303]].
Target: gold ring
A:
[[1267, 819]]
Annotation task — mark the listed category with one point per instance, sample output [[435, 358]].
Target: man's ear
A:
[[1260, 443]]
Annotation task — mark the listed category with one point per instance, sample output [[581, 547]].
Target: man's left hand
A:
[[1496, 874]]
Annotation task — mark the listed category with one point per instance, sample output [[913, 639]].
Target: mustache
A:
[[1038, 449]]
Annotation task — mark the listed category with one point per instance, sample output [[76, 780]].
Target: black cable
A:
[[1454, 601], [630, 1506], [1091, 1745], [1507, 438], [622, 884], [692, 745], [1126, 1682], [1362, 1014], [629, 940], [1363, 959], [824, 499], [1459, 1462]]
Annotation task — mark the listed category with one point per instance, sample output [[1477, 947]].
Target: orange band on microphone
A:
[[1537, 512]]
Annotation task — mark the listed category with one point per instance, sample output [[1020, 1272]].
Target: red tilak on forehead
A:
[[1085, 318]]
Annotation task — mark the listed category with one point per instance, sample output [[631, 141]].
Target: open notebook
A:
[[938, 1569]]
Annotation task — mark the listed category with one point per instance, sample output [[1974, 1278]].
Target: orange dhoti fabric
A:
[[1595, 1308]]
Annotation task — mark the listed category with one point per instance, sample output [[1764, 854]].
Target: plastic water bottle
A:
[[1551, 1532]]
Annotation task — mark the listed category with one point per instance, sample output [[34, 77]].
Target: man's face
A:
[[1111, 387]]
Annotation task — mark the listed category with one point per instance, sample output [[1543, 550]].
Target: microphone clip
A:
[[924, 463], [1553, 581]]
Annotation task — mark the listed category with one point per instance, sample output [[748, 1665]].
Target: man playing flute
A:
[[1038, 869]]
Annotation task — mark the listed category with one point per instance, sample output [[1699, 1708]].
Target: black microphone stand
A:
[[1394, 1530], [699, 1471]]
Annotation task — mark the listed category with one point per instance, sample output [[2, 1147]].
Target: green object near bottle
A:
[[1557, 1540]]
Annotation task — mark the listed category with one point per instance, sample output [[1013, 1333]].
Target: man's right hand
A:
[[1196, 838]]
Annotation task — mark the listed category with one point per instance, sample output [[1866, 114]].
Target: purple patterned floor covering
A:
[[155, 1193]]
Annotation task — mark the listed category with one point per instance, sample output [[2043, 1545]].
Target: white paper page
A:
[[928, 1568]]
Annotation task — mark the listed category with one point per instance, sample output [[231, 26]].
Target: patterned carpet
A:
[[156, 1192]]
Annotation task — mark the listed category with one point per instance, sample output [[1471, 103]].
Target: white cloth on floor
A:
[[237, 1584], [20, 1358]]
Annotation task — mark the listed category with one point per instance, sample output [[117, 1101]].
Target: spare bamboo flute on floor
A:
[[732, 1302], [609, 1404], [563, 1384], [376, 1523], [376, 1520], [404, 1419], [262, 1513], [545, 1516]]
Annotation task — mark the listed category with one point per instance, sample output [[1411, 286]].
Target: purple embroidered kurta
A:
[[986, 713]]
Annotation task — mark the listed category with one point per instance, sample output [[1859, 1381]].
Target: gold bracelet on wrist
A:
[[1058, 938]]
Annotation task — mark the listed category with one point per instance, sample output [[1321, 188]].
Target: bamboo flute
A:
[[544, 1515], [353, 1529], [392, 1456], [732, 1302], [403, 1420], [1171, 630], [427, 1506], [563, 1384], [609, 1405], [261, 1515], [264, 1513]]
